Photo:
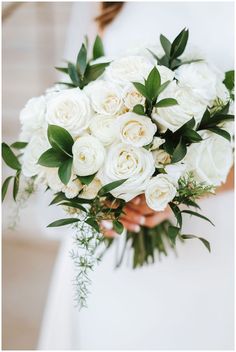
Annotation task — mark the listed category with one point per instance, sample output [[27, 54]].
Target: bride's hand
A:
[[137, 213]]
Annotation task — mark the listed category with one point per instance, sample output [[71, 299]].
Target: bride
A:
[[185, 301]]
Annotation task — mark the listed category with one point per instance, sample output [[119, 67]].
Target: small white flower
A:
[[105, 97], [32, 117], [132, 97], [161, 158], [128, 69], [90, 191], [88, 155], [127, 162], [136, 130], [210, 160], [157, 141], [69, 109], [159, 192], [173, 117], [52, 179]]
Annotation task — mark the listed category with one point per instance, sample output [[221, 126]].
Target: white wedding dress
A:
[[184, 302]]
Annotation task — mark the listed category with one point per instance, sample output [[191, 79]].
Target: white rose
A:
[[90, 191], [159, 192], [200, 78], [136, 130], [132, 97], [35, 148], [128, 69], [173, 117], [88, 155], [103, 128], [161, 158], [127, 162], [32, 117], [105, 97], [165, 73], [175, 171], [52, 179], [210, 160], [69, 109]]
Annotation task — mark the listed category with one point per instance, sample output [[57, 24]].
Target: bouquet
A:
[[156, 122]]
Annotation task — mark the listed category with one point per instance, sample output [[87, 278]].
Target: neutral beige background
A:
[[33, 39]]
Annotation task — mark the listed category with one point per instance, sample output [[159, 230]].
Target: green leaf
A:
[[220, 132], [60, 139], [172, 233], [63, 222], [81, 61], [166, 44], [166, 102], [51, 158], [191, 61], [179, 152], [62, 69], [162, 87], [19, 145], [177, 213], [205, 118], [190, 212], [74, 205], [205, 242], [64, 171], [92, 222], [9, 157], [73, 74], [229, 80], [153, 83], [139, 109], [110, 186], [16, 185], [58, 198], [179, 44], [86, 180], [218, 118], [118, 226], [5, 186], [93, 72], [98, 49], [154, 55], [191, 136], [141, 89]]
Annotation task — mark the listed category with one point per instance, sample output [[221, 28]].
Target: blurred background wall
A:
[[33, 39]]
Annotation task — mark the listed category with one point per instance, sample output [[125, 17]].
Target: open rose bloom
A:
[[143, 124]]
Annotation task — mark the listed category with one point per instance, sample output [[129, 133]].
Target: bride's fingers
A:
[[112, 204], [130, 226], [133, 216], [141, 208], [106, 229], [157, 218]]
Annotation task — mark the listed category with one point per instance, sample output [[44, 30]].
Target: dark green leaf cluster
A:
[[176, 142], [60, 153], [151, 89], [12, 160], [97, 210], [173, 50], [212, 122], [83, 71]]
